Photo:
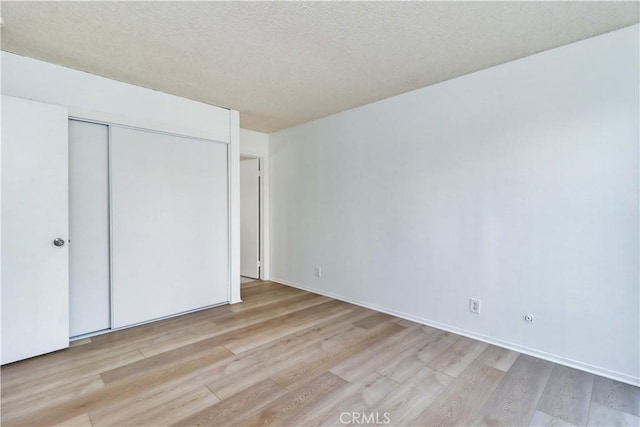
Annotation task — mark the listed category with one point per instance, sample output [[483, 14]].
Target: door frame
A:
[[93, 117]]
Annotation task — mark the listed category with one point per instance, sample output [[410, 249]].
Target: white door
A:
[[35, 271], [170, 228], [89, 294], [250, 218]]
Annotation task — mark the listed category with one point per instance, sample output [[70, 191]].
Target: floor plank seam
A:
[[227, 348], [213, 392], [388, 377]]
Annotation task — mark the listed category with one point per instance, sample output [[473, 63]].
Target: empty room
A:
[[265, 213]]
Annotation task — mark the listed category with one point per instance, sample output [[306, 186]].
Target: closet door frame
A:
[[228, 224]]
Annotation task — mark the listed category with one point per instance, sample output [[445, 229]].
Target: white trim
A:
[[234, 207], [106, 331], [86, 119], [109, 192], [229, 234], [618, 376]]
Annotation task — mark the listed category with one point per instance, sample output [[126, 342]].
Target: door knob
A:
[[58, 242]]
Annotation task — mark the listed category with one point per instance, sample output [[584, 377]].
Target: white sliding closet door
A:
[[89, 293], [169, 213]]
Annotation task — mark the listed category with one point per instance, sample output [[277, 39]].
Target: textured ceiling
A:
[[285, 63]]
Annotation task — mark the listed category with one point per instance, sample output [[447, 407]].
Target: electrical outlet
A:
[[474, 305], [318, 272]]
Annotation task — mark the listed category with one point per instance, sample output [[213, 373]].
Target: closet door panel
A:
[[89, 294], [169, 207]]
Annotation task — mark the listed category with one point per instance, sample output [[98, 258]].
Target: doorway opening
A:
[[250, 219]]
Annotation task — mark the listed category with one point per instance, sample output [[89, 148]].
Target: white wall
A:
[[256, 145], [97, 98], [90, 96], [517, 185]]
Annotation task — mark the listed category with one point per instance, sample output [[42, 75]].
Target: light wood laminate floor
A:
[[291, 358]]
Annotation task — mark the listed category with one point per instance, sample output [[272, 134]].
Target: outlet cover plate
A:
[[474, 305]]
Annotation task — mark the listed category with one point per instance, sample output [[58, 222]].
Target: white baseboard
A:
[[596, 370]]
